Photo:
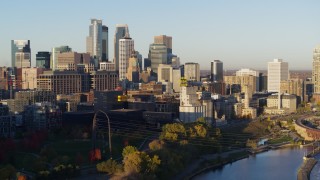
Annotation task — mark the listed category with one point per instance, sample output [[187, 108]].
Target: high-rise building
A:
[[250, 72], [126, 47], [192, 71], [43, 59], [54, 55], [167, 41], [97, 41], [158, 55], [121, 31], [20, 53], [216, 71], [133, 68], [277, 72], [316, 70]]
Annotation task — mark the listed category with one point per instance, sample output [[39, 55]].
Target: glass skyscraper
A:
[[97, 41], [157, 55], [121, 31]]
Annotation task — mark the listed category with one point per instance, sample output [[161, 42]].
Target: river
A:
[[277, 164]]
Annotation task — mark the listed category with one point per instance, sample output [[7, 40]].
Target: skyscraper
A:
[[20, 53], [157, 55], [43, 59], [97, 41], [126, 47], [192, 71], [121, 31], [216, 71], [316, 69], [277, 72]]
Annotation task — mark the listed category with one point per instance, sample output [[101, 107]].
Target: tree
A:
[[156, 144], [128, 150], [141, 163], [110, 166], [173, 132], [251, 143]]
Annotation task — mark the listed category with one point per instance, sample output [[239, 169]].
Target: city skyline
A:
[[240, 34]]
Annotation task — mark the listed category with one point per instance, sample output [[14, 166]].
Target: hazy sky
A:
[[241, 33]]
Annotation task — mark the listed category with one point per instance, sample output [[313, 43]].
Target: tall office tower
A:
[[316, 70], [192, 71], [126, 47], [277, 72], [105, 43], [216, 71], [249, 72], [133, 68], [121, 31], [20, 53], [97, 41], [157, 55], [43, 59], [54, 55], [167, 41]]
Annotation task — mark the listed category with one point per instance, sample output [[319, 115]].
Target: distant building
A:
[[20, 53], [167, 41], [27, 78], [192, 71], [277, 72], [121, 31], [165, 73], [293, 86], [108, 66], [250, 72], [54, 55], [216, 71], [63, 82], [133, 70], [43, 59], [242, 81], [190, 107], [158, 55], [97, 41], [316, 70], [126, 47], [69, 61], [281, 104], [104, 80]]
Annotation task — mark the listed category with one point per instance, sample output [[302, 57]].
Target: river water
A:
[[280, 164]]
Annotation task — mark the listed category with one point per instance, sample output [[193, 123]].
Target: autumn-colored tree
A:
[[156, 144], [110, 166], [173, 132], [128, 150], [141, 162]]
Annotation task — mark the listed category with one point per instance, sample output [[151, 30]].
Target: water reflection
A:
[[274, 164]]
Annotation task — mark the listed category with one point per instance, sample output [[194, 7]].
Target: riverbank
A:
[[306, 168], [217, 161]]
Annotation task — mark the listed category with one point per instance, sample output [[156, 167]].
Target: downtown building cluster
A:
[[154, 90]]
